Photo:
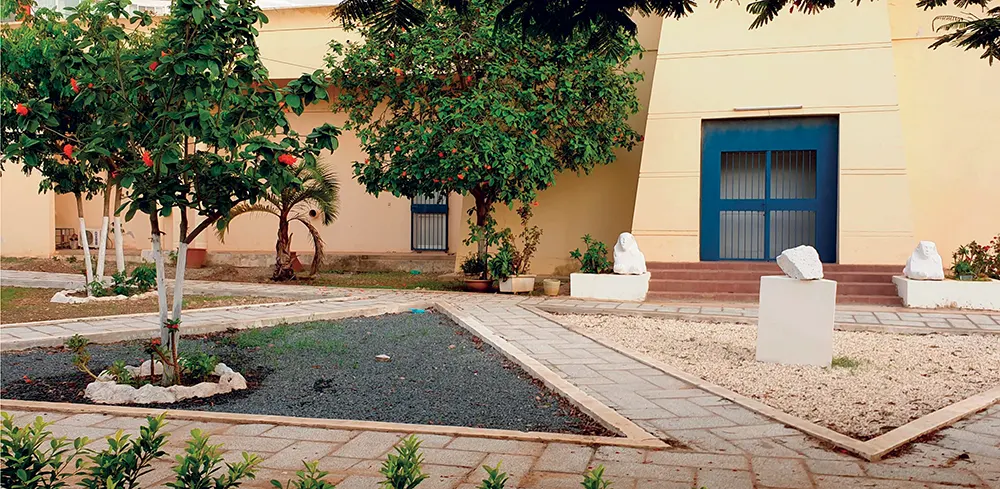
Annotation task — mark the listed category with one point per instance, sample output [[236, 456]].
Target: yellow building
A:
[[840, 130]]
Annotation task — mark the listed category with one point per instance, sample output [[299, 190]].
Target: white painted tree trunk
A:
[[102, 248], [179, 279], [161, 289], [86, 254], [119, 245]]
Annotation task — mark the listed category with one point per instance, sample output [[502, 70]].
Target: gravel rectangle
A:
[[896, 378], [439, 373]]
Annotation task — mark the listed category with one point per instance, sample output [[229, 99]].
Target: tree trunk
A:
[[161, 282], [182, 248], [119, 242], [283, 254], [102, 246], [483, 207], [83, 240]]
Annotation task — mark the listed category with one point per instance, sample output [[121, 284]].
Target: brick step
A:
[[767, 266], [879, 300], [746, 275], [753, 287]]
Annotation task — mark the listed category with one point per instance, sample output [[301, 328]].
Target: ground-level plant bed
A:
[[878, 381], [23, 304], [436, 373]]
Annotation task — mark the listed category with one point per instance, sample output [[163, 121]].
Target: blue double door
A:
[[768, 185]]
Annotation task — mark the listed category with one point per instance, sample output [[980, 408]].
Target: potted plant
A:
[[976, 262], [963, 270], [595, 279], [510, 266], [474, 268]]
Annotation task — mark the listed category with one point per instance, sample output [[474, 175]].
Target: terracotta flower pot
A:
[[196, 257], [477, 285], [296, 264]]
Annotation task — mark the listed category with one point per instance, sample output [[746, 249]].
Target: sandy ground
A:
[[898, 378]]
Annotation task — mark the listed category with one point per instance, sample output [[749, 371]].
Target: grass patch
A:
[[9, 294], [387, 280], [845, 362]]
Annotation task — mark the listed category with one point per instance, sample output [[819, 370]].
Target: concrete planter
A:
[[609, 286], [518, 283], [949, 293]]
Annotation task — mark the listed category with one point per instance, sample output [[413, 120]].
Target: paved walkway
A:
[[726, 445]]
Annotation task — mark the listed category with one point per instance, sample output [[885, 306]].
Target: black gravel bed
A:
[[439, 374]]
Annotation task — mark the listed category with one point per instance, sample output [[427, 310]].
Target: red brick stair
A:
[[740, 282]]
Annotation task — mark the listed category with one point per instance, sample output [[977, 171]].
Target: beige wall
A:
[[27, 218], [710, 64], [600, 204]]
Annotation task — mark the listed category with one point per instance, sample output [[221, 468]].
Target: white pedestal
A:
[[796, 321], [949, 293], [609, 286]]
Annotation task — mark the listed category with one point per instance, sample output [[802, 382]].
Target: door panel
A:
[[768, 185]]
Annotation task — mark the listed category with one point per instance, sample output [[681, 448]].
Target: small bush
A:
[[33, 459], [310, 478], [81, 357], [143, 278], [474, 265], [98, 289], [120, 373], [494, 478], [594, 259], [196, 468], [402, 469], [199, 366], [595, 479], [977, 260], [845, 362]]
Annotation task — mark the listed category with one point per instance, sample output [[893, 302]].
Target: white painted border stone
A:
[[64, 297], [104, 390], [606, 286], [971, 294]]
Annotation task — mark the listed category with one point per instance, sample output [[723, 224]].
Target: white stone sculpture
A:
[[628, 259], [801, 263], [924, 263]]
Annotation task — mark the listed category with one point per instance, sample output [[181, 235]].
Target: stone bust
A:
[[628, 259], [924, 263]]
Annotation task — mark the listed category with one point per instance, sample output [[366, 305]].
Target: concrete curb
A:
[[333, 424], [871, 450], [583, 401]]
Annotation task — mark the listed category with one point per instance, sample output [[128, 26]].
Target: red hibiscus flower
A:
[[398, 149], [22, 110], [403, 174], [153, 65], [461, 176], [440, 154], [287, 159], [76, 87], [68, 150], [147, 159]]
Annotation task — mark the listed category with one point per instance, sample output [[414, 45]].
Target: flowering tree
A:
[[453, 105]]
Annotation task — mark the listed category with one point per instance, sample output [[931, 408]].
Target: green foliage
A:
[[402, 469], [126, 459], [494, 478], [454, 105], [594, 259], [981, 261], [501, 265], [199, 366], [595, 479], [845, 362], [198, 467], [474, 265], [32, 459], [121, 375], [81, 357], [509, 260], [143, 278], [98, 289], [310, 478], [119, 284]]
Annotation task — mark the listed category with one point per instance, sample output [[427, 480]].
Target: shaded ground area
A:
[[226, 273], [878, 381], [439, 374], [21, 304]]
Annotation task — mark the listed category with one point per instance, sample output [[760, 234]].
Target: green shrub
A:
[[126, 459], [402, 469], [474, 265], [595, 259], [81, 357], [502, 265], [310, 478], [201, 461], [120, 284], [494, 478], [120, 373], [199, 366], [32, 459], [98, 289], [143, 278], [595, 479]]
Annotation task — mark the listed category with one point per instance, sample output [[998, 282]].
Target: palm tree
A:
[[319, 190]]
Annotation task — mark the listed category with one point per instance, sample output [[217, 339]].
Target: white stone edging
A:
[[105, 390], [64, 297]]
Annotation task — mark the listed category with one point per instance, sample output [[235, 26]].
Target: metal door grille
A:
[[768, 186], [429, 223]]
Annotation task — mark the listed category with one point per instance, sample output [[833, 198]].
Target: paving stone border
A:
[[871, 450]]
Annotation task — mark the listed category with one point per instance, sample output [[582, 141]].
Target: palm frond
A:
[[321, 189], [970, 32], [383, 15], [240, 209], [764, 11], [317, 244]]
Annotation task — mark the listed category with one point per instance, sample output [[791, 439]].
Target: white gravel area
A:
[[898, 379]]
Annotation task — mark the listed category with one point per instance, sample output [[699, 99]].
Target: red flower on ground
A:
[[147, 159], [76, 87], [153, 65], [22, 110], [68, 150], [26, 379], [287, 159]]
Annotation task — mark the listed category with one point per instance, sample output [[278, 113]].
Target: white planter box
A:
[[608, 286], [518, 283], [949, 293], [795, 326]]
